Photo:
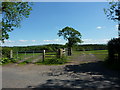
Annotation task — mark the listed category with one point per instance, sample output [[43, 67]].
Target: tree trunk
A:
[[119, 57], [119, 30], [0, 52], [69, 51]]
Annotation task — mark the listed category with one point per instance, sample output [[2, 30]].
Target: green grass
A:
[[22, 55], [101, 57], [51, 53], [30, 57], [95, 52], [53, 60], [22, 63], [100, 54]]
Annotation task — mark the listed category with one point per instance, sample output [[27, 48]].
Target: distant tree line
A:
[[51, 47], [90, 47], [54, 47]]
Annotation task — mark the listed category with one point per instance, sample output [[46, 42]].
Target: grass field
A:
[[28, 57], [23, 55], [36, 57], [91, 52], [100, 54]]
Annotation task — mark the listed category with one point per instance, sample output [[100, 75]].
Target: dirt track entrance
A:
[[84, 70]]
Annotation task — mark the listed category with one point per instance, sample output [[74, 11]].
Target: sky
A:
[[71, 0], [47, 18]]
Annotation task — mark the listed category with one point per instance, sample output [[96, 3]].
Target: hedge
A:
[[114, 50]]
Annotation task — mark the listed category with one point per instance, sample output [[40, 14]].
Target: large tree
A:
[[113, 13], [12, 14], [72, 36]]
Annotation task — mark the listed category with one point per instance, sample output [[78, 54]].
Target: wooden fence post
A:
[[33, 53], [43, 56], [11, 53], [0, 52], [17, 54], [25, 54], [64, 52], [60, 53], [69, 51]]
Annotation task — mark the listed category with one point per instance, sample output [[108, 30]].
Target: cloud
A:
[[116, 26], [99, 27], [95, 41], [55, 40], [87, 40], [33, 40], [46, 40], [20, 43], [23, 40], [9, 41]]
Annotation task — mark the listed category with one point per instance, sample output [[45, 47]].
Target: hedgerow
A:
[[114, 53]]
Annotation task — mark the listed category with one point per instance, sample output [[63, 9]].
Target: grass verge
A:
[[54, 61]]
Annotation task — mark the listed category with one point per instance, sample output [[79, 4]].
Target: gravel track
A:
[[71, 75]]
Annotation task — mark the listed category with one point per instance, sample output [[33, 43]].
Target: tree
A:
[[72, 36], [113, 13], [12, 14]]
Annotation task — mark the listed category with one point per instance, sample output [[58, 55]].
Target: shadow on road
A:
[[87, 75]]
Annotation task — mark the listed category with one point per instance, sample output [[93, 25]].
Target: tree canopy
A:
[[70, 34], [113, 13], [12, 14]]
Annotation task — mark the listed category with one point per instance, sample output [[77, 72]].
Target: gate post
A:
[[60, 53], [64, 52], [17, 54], [25, 54], [33, 53], [43, 56], [11, 53]]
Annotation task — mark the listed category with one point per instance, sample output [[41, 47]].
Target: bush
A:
[[27, 61], [112, 64], [7, 60], [6, 52], [55, 60], [114, 50], [113, 60], [14, 60]]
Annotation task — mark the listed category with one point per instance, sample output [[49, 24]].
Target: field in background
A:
[[33, 57], [37, 57], [100, 54]]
